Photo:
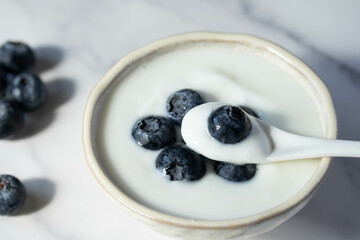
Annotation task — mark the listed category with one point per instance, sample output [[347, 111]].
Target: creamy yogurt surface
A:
[[219, 72]]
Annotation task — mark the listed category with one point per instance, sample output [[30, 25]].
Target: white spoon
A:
[[265, 143]]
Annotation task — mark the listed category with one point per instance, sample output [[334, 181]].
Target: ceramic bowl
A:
[[195, 229]]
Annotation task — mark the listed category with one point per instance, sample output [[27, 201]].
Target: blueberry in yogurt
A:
[[154, 132], [180, 102], [229, 124], [16, 56], [234, 172], [12, 195], [178, 162]]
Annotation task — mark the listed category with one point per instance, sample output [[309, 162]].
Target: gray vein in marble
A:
[[57, 234], [191, 18], [33, 157], [247, 8], [94, 62]]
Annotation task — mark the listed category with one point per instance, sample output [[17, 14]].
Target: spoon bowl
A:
[[253, 149]]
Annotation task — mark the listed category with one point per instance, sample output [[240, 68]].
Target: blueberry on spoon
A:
[[229, 124], [249, 111]]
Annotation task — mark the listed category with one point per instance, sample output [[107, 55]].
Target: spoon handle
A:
[[289, 146]]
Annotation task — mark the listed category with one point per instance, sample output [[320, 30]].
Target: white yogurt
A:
[[220, 72]]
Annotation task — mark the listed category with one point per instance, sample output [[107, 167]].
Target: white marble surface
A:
[[77, 41]]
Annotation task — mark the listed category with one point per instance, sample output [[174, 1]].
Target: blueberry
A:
[[3, 81], [154, 132], [10, 77], [178, 162], [27, 90], [11, 118], [235, 173], [180, 102], [6, 78], [16, 56], [12, 195], [249, 111], [229, 124]]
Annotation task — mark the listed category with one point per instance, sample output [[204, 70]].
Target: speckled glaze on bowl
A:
[[194, 229]]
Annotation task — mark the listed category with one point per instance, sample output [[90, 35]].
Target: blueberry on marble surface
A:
[[12, 195], [229, 124], [180, 102], [16, 56], [3, 82], [27, 90], [234, 172], [249, 111], [11, 118], [179, 162], [154, 132]]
